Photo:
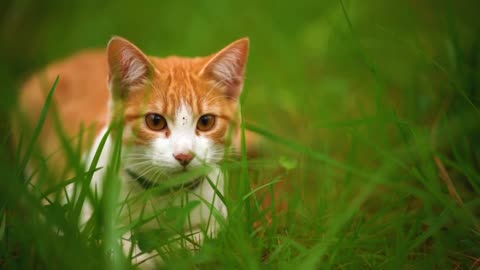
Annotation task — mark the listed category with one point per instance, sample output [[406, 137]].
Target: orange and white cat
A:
[[178, 114]]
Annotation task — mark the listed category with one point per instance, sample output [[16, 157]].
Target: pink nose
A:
[[184, 158]]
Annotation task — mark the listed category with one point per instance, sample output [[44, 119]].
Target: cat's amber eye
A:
[[206, 122], [155, 121]]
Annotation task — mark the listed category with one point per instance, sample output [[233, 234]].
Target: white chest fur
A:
[[204, 218]]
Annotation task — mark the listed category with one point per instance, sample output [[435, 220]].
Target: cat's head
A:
[[178, 112]]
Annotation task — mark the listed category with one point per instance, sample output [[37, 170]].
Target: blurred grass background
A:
[[369, 109]]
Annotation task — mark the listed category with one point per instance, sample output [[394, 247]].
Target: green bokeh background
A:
[[306, 64], [378, 86]]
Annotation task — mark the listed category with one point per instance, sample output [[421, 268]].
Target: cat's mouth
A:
[[146, 183]]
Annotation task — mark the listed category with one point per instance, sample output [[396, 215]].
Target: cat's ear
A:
[[227, 67], [128, 66]]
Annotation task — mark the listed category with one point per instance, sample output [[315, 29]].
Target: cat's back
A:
[[81, 93], [80, 100]]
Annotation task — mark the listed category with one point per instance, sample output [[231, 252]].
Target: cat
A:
[[178, 114]]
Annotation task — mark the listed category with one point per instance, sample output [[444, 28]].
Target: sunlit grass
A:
[[369, 122]]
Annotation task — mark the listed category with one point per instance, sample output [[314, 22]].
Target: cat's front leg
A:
[[207, 219]]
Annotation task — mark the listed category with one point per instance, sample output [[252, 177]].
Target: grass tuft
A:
[[369, 125]]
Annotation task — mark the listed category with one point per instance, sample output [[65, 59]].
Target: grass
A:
[[369, 115]]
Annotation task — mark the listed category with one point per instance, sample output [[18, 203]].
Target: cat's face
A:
[[178, 112]]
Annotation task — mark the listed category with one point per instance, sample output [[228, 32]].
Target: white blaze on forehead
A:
[[184, 115], [183, 129]]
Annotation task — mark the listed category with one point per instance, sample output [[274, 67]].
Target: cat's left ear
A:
[[227, 67], [128, 66]]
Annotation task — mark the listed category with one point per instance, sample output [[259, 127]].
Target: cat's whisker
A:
[[144, 169], [148, 169], [147, 172], [142, 172], [157, 175], [137, 158], [138, 166], [138, 161], [138, 155], [154, 176]]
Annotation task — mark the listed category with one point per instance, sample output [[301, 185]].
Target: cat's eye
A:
[[155, 121], [206, 122]]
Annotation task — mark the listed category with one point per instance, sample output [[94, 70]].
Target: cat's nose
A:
[[184, 158]]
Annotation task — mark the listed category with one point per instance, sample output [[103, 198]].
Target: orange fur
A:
[[82, 96], [81, 99], [124, 84]]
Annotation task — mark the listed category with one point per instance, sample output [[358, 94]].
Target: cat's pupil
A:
[[156, 119], [205, 120]]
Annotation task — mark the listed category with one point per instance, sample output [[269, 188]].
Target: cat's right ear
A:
[[128, 67]]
